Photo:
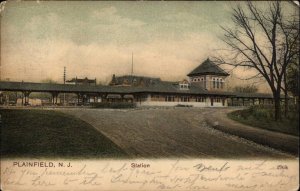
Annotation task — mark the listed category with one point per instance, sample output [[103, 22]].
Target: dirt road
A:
[[170, 132], [284, 142]]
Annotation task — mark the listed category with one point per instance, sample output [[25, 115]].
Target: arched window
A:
[[214, 83], [218, 83], [221, 83], [184, 85]]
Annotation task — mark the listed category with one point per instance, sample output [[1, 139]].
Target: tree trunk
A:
[[277, 106], [286, 104], [286, 100]]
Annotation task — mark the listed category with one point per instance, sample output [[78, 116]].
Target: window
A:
[[185, 99], [221, 83], [214, 83], [217, 83], [217, 99], [169, 98], [200, 99], [184, 86], [202, 82], [155, 97]]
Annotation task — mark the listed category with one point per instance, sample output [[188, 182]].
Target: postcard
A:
[[149, 95]]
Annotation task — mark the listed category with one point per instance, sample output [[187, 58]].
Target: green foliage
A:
[[11, 95], [181, 105], [42, 133], [114, 105], [260, 112], [263, 117], [293, 78]]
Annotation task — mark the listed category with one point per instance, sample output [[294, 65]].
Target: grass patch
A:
[[42, 133], [263, 117]]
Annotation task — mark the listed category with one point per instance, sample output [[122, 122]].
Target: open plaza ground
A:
[[154, 132]]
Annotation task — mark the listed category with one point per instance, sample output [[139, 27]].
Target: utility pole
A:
[[64, 75], [64, 83], [132, 64]]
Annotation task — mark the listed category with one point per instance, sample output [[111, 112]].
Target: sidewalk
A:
[[276, 140]]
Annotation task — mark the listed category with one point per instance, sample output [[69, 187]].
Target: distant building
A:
[[84, 81], [131, 80], [204, 87]]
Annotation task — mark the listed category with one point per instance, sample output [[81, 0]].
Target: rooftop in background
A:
[[130, 80], [208, 68], [84, 81]]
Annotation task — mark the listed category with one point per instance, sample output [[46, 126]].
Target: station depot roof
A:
[[61, 88], [163, 87], [208, 67]]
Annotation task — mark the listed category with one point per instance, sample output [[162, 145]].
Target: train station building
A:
[[205, 86]]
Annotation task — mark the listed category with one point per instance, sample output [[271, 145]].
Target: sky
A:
[[96, 39]]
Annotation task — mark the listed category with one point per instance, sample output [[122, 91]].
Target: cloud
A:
[[170, 60], [186, 19], [99, 42], [101, 25], [104, 12], [108, 16]]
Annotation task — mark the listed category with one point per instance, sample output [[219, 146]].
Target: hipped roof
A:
[[208, 68]]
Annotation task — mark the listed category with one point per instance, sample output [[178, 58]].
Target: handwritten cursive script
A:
[[161, 175], [204, 167]]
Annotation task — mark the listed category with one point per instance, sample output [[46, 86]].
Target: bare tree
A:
[[291, 33], [262, 40], [246, 89]]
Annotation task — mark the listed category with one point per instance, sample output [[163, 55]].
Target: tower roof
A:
[[208, 68]]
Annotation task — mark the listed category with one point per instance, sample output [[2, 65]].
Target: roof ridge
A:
[[208, 67]]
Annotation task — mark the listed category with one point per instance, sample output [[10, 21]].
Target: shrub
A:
[[263, 117], [260, 113], [114, 105], [181, 105]]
